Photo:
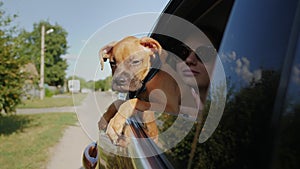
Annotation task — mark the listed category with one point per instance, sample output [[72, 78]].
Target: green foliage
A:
[[48, 93], [288, 144], [242, 133], [55, 47], [65, 100], [18, 47], [103, 85], [114, 161], [11, 74], [26, 139]]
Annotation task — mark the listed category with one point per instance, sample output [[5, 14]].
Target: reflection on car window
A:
[[253, 51], [287, 146]]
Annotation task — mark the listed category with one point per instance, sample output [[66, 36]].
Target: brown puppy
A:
[[131, 60]]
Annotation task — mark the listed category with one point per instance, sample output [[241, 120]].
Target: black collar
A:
[[156, 64]]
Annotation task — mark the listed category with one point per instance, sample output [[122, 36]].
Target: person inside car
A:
[[194, 65]]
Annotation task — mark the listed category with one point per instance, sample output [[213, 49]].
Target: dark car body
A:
[[258, 43]]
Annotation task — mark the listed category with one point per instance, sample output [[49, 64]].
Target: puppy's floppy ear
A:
[[151, 44], [105, 53]]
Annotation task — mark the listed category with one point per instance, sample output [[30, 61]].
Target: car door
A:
[[258, 48]]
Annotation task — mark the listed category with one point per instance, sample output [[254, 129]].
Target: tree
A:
[[242, 133], [11, 75], [55, 47], [103, 85]]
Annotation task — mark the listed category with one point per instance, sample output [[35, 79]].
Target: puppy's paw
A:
[[124, 140], [102, 124], [110, 113], [115, 128]]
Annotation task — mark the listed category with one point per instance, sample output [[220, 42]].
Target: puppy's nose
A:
[[120, 81]]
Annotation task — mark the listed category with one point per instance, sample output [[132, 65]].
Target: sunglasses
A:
[[204, 53]]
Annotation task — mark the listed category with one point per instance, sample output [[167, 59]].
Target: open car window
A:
[[182, 39]]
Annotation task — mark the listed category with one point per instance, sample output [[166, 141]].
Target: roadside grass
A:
[[65, 100], [26, 139]]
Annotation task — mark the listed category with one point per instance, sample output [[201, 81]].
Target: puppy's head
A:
[[130, 61]]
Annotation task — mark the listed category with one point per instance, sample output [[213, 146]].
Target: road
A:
[[67, 153], [91, 110]]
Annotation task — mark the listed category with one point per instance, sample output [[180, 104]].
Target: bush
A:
[[11, 74], [48, 93]]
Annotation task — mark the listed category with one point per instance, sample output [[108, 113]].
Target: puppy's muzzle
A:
[[120, 81], [125, 81]]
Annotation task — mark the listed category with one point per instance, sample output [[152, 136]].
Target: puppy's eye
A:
[[112, 64], [136, 62]]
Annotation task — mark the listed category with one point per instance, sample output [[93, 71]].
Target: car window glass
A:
[[286, 146], [252, 52]]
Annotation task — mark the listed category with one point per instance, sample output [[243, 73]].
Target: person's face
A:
[[192, 70]]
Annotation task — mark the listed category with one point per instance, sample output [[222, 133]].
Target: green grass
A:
[[62, 101], [25, 139]]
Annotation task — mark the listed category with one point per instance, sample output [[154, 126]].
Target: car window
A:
[[287, 137], [252, 52]]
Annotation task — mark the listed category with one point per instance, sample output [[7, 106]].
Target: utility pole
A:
[[42, 89]]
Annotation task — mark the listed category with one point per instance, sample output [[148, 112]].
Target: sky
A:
[[85, 20]]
